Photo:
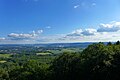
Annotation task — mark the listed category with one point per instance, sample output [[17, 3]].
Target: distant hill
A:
[[81, 45]]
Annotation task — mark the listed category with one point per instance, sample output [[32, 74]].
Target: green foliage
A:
[[117, 43], [4, 74], [5, 55], [109, 43], [64, 66], [96, 62], [31, 70]]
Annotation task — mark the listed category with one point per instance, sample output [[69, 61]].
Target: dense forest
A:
[[97, 62]]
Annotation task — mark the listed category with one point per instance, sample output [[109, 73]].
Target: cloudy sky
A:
[[51, 21]]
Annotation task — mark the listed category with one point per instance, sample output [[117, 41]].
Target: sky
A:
[[58, 21]]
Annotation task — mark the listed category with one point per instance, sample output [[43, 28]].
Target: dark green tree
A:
[[4, 74], [31, 70], [109, 43], [65, 67], [117, 43]]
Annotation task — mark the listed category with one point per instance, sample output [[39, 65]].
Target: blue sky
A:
[[39, 21]]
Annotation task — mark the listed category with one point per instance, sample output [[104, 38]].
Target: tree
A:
[[65, 67], [4, 74], [109, 43], [117, 43], [31, 70], [103, 62]]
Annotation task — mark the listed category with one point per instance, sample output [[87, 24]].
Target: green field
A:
[[3, 61], [5, 55], [43, 54]]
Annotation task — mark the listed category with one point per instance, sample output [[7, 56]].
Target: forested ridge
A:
[[97, 62]]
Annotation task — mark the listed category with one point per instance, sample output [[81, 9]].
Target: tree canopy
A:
[[97, 62]]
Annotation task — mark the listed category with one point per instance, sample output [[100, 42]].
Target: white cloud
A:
[[75, 33], [98, 37], [76, 6], [2, 39], [105, 32], [21, 36], [39, 31], [88, 32], [87, 5], [80, 32], [111, 27]]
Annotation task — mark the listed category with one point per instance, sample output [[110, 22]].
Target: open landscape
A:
[[59, 39], [96, 61]]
